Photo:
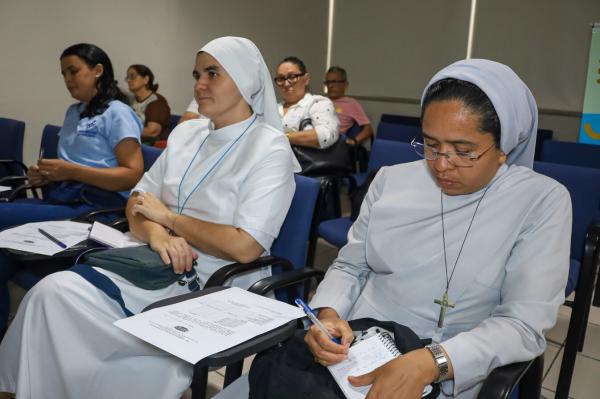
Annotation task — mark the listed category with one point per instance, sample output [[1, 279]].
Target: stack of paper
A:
[[112, 237]]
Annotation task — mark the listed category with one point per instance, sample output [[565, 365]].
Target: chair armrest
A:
[[501, 382], [121, 224], [11, 180], [92, 215], [219, 277], [284, 280], [8, 162], [18, 191], [592, 248]]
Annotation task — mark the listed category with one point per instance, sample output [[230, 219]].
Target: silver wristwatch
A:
[[440, 360]]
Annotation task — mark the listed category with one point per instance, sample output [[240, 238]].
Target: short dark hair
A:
[[340, 70], [106, 85], [296, 61], [144, 71], [472, 97]]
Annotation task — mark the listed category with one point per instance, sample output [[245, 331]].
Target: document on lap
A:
[[202, 326], [28, 237]]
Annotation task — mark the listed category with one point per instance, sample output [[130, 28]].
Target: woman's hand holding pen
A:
[[325, 351], [35, 177], [55, 169]]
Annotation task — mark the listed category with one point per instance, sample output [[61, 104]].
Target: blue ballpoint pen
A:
[[52, 238], [313, 318]]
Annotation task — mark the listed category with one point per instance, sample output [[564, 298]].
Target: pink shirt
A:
[[350, 111]]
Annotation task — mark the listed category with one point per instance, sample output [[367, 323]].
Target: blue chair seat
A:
[[335, 231]]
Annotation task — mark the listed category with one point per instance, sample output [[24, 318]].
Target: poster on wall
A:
[[590, 118]]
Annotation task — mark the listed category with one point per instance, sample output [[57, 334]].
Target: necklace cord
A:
[[448, 280]]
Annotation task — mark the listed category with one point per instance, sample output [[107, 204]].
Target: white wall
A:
[[162, 34], [391, 49]]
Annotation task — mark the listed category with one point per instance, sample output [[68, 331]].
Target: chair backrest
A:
[[569, 153], [401, 119], [584, 187], [173, 121], [49, 144], [292, 241], [398, 132], [389, 152], [12, 132], [353, 131], [542, 135], [149, 154]]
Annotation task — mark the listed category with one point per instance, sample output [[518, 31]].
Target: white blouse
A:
[[312, 112], [251, 187]]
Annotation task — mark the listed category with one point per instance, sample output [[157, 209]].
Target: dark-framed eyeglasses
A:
[[291, 79], [456, 158], [333, 82]]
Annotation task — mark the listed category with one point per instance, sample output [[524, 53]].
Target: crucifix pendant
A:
[[444, 305]]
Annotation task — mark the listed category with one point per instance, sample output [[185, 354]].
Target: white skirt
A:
[[62, 344]]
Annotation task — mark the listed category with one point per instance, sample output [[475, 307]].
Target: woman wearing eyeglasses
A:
[[469, 247], [308, 120], [152, 108]]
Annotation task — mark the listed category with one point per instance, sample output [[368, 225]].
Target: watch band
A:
[[441, 361]]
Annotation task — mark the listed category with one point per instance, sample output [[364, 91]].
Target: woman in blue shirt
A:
[[98, 152]]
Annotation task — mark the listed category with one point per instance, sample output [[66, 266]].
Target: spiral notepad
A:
[[363, 357]]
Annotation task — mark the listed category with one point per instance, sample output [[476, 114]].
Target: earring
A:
[[98, 75]]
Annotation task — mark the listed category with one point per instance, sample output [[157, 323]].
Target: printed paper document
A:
[[28, 238], [200, 327]]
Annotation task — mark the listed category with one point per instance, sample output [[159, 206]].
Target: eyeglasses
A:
[[331, 82], [131, 77], [291, 79], [456, 158]]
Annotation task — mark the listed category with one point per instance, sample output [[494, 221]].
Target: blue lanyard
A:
[[182, 207]]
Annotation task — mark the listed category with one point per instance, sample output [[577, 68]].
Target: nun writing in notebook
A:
[[218, 194], [468, 247]]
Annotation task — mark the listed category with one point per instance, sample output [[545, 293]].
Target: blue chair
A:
[[384, 153], [288, 253], [396, 132], [150, 154], [49, 144], [542, 136], [584, 186], [173, 121], [12, 132], [570, 153]]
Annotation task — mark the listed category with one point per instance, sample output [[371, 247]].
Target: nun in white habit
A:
[[222, 189], [469, 246]]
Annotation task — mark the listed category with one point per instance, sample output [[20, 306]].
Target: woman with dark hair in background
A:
[[99, 153], [151, 107], [308, 120]]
